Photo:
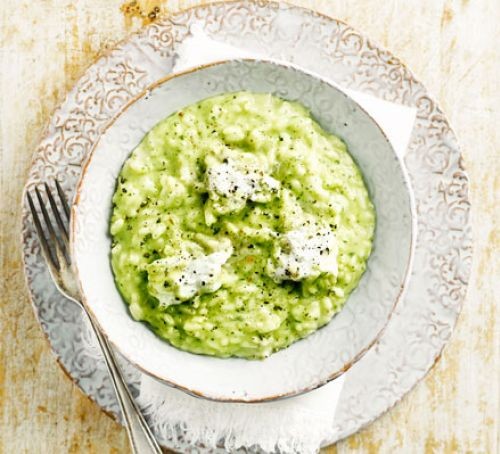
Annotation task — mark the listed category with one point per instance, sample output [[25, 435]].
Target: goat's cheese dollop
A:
[[174, 280], [230, 186], [304, 253]]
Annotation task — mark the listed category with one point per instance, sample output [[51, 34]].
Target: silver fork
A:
[[55, 249]]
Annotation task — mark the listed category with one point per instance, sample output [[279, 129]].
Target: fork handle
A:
[[139, 433]]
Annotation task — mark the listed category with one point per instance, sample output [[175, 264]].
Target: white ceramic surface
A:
[[308, 363], [425, 318]]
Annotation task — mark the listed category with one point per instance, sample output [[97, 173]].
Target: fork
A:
[[54, 242]]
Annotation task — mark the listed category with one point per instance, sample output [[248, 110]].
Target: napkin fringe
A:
[[238, 426]]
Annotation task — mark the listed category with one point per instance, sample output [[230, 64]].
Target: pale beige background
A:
[[452, 46]]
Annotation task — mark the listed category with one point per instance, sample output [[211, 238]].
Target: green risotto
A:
[[239, 226]]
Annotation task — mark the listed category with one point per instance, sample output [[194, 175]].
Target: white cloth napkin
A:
[[295, 425], [299, 424]]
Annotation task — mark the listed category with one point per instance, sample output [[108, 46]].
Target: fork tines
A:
[[54, 237]]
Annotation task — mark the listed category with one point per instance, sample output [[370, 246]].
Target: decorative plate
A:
[[423, 320]]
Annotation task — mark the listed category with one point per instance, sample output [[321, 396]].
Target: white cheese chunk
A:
[[176, 279], [305, 253], [230, 181]]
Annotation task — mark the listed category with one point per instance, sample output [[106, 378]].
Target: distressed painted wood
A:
[[452, 46]]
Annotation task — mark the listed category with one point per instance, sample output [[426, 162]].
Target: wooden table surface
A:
[[452, 46]]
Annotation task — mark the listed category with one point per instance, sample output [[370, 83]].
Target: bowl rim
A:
[[202, 394]]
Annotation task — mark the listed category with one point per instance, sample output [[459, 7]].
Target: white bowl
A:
[[308, 363]]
